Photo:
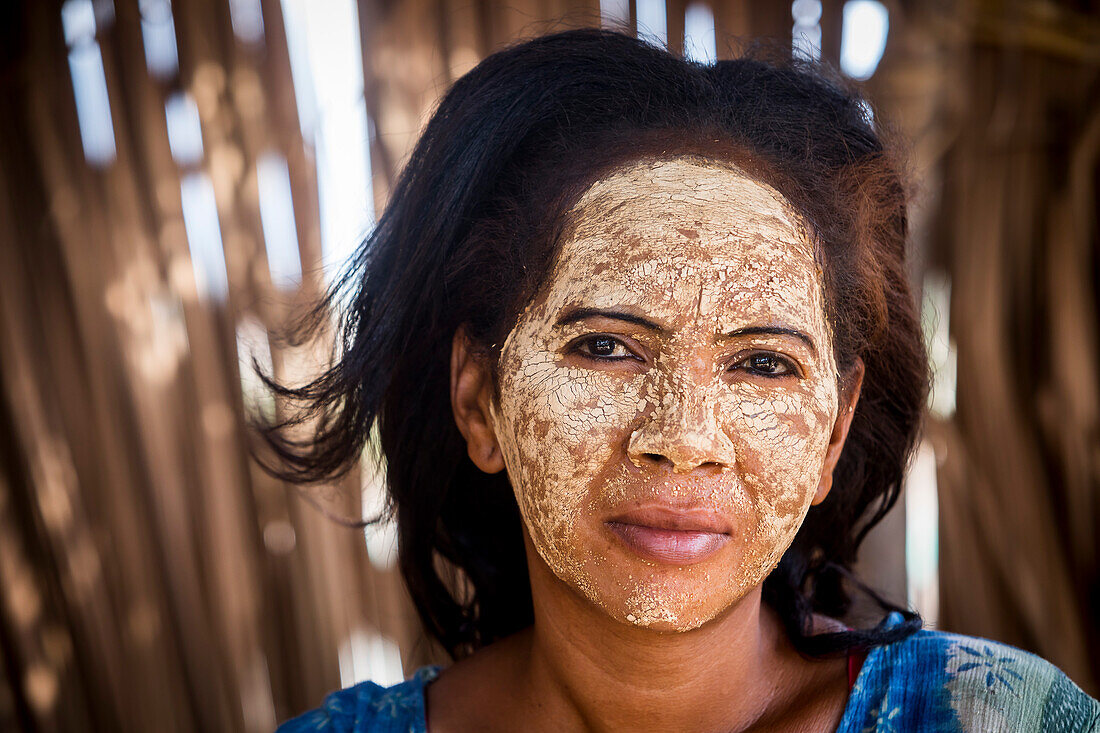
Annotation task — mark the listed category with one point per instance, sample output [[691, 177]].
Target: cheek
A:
[[780, 439], [560, 432]]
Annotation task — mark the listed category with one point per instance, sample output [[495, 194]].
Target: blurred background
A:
[[178, 179]]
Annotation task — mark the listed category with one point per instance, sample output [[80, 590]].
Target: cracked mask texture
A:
[[673, 415]]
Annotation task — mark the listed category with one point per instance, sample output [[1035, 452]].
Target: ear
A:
[[849, 396], [471, 392]]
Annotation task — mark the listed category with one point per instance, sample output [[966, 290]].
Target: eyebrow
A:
[[579, 314], [773, 331]]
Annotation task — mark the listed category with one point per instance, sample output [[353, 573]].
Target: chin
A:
[[667, 621], [657, 596], [669, 602]]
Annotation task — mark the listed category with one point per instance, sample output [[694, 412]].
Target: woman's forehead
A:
[[660, 195], [679, 230]]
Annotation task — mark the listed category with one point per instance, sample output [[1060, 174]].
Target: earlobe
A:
[[823, 488], [471, 392], [849, 398]]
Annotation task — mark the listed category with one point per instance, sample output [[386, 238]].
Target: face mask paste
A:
[[686, 415]]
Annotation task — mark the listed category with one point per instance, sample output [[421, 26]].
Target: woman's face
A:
[[667, 401]]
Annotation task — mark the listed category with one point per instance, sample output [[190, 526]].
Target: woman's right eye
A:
[[604, 348]]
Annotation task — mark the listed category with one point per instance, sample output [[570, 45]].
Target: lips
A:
[[670, 536]]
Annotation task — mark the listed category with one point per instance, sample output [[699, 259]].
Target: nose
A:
[[684, 429]]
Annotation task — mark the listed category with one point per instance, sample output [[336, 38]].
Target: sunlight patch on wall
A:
[[247, 18], [300, 73], [652, 22], [78, 21], [700, 44], [93, 105], [615, 14], [366, 656], [381, 537], [921, 485], [942, 354], [158, 34], [806, 33], [277, 218], [184, 129], [204, 239], [327, 68], [863, 39], [253, 345], [922, 534]]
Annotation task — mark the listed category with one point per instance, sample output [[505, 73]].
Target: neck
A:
[[593, 672]]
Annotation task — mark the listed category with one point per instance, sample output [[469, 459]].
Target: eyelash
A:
[[783, 362], [578, 347], [788, 365]]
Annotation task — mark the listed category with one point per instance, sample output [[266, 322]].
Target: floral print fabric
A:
[[370, 708], [945, 683]]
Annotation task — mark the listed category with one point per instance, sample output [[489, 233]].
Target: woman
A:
[[645, 369]]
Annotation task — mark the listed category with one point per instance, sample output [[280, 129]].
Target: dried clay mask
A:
[[666, 402]]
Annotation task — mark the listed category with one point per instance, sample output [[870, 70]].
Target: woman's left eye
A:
[[766, 364]]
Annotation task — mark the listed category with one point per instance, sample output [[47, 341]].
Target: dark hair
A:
[[469, 235]]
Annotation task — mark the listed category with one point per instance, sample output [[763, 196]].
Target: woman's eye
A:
[[766, 365], [604, 347]]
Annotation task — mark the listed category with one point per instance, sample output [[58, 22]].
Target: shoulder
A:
[[939, 681], [369, 708]]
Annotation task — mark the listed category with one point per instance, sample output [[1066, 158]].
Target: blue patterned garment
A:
[[932, 681], [941, 682]]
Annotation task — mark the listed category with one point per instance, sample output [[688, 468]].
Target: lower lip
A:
[[672, 546]]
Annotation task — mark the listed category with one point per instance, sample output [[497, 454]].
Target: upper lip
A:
[[659, 516]]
